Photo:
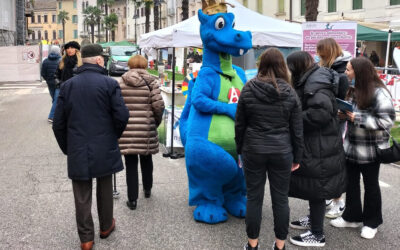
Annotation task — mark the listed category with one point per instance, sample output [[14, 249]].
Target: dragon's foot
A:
[[236, 206], [210, 213]]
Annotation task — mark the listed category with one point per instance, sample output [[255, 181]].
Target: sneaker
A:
[[248, 247], [302, 223], [336, 210], [274, 247], [329, 203], [368, 232], [50, 120], [308, 239], [340, 222]]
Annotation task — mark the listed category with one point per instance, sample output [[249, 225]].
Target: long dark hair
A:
[[272, 66], [299, 62], [367, 80]]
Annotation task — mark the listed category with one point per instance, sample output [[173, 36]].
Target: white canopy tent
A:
[[266, 31]]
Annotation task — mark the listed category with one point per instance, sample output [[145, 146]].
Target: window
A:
[[281, 6], [193, 13], [60, 34], [302, 7], [74, 19], [32, 19], [75, 34], [87, 4], [39, 34], [245, 3], [45, 18], [331, 5], [142, 12], [54, 35], [83, 6], [46, 35], [33, 35], [53, 18], [39, 19], [60, 5], [357, 4], [74, 4], [394, 2]]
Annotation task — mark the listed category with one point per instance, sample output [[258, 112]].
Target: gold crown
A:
[[211, 7]]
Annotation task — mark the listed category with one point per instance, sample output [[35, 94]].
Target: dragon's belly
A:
[[222, 133]]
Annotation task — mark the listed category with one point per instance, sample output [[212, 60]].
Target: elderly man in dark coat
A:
[[90, 117]]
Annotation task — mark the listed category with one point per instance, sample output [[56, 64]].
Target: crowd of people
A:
[[307, 147], [288, 128]]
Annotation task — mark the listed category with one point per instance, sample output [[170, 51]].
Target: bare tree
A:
[[311, 10]]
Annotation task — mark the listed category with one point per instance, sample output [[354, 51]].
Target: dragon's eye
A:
[[220, 23], [233, 23]]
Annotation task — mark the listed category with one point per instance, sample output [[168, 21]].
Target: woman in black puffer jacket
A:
[[269, 135], [321, 174]]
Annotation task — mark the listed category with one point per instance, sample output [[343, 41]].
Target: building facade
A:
[[120, 9], [42, 24], [71, 25], [8, 23]]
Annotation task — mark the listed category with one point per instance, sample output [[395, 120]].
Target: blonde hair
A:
[[137, 62], [78, 56], [328, 50]]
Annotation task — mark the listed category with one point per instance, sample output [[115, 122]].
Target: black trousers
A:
[[317, 215], [371, 215], [83, 206], [132, 178], [278, 168]]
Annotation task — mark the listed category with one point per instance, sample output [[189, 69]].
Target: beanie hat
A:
[[72, 44], [55, 50], [91, 50]]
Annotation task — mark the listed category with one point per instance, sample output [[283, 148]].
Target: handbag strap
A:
[[148, 85]]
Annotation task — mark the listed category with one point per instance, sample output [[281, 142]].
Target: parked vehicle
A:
[[118, 58]]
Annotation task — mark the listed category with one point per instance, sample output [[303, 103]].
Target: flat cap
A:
[[91, 50]]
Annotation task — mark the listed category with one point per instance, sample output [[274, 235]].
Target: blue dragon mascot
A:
[[216, 183]]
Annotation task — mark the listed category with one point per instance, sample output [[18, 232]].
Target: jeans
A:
[[53, 106], [371, 214], [51, 85], [132, 178], [278, 168], [83, 206]]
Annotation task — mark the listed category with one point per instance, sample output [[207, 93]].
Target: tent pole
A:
[[387, 50], [173, 102]]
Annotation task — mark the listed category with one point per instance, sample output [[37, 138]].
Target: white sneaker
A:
[[329, 203], [368, 233], [337, 209], [340, 222]]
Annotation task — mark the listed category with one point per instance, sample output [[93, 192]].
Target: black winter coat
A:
[[49, 68], [268, 122], [322, 171], [89, 118], [340, 67]]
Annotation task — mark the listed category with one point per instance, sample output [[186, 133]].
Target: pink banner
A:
[[343, 32]]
